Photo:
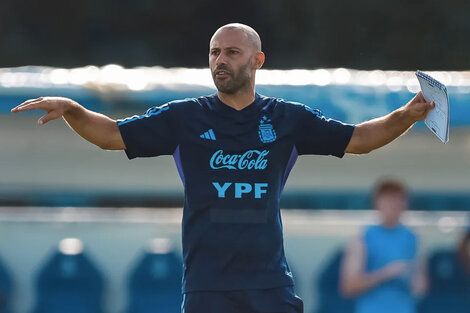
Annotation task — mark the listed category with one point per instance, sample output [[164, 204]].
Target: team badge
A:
[[266, 131]]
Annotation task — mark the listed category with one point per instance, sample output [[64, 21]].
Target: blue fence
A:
[[352, 104], [308, 199], [347, 95]]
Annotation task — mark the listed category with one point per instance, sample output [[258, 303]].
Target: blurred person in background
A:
[[464, 250], [234, 151], [381, 266]]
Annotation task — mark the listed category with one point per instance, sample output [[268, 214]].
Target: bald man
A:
[[234, 151]]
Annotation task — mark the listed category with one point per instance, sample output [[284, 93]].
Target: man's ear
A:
[[259, 60]]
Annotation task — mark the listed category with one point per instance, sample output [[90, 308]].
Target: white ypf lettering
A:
[[241, 189]]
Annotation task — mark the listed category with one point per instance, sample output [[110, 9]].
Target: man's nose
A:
[[220, 59]]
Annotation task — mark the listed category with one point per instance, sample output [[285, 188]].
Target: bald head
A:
[[248, 35], [234, 56]]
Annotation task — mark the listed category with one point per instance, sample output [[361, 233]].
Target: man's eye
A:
[[214, 52], [233, 51]]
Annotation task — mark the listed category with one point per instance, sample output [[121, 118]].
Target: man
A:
[[381, 266], [234, 151]]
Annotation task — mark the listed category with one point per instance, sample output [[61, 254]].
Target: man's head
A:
[[390, 199], [234, 56]]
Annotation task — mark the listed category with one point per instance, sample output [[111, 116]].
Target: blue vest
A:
[[383, 246]]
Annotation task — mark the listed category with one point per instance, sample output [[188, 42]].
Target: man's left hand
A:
[[417, 108]]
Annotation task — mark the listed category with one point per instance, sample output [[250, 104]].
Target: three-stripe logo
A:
[[208, 135]]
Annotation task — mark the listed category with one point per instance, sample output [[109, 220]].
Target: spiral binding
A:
[[431, 80]]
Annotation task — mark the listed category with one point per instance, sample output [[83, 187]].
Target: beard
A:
[[235, 80]]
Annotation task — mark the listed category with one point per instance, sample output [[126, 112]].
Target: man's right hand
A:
[[94, 127], [54, 106], [395, 269]]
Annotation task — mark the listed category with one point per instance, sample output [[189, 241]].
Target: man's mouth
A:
[[221, 73]]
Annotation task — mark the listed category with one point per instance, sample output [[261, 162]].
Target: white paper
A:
[[438, 118]]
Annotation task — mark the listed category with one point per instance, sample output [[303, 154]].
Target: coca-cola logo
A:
[[250, 160]]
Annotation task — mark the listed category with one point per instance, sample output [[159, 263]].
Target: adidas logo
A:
[[208, 135]]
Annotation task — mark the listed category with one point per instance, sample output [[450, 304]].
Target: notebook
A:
[[438, 118]]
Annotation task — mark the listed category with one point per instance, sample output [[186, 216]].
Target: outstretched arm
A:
[[94, 127], [378, 132]]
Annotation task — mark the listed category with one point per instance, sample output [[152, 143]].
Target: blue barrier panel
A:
[[308, 199], [348, 95]]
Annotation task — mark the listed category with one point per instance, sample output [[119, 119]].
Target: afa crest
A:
[[266, 131]]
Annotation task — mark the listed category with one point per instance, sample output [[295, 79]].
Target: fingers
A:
[[429, 106], [31, 104], [423, 110], [46, 103], [418, 107], [48, 117], [419, 96]]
